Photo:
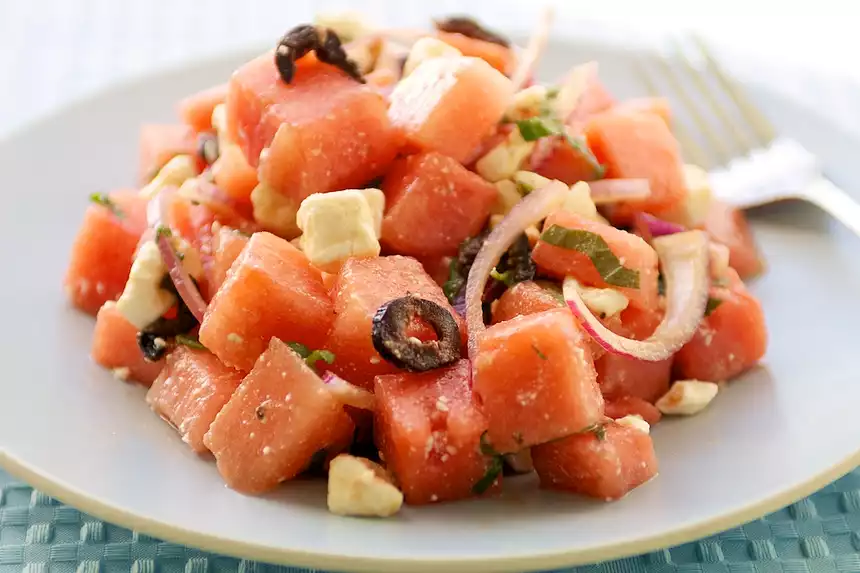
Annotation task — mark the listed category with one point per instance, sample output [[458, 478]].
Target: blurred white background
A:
[[53, 51]]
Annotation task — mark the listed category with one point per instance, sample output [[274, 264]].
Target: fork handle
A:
[[835, 201]]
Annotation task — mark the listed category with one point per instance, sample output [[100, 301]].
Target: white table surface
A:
[[54, 51]]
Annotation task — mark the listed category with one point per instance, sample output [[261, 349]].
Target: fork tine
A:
[[682, 134], [704, 127], [734, 128], [763, 128]]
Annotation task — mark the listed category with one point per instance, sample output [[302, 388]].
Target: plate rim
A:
[[116, 514]]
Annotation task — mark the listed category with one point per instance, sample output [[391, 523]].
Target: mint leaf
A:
[[597, 249]]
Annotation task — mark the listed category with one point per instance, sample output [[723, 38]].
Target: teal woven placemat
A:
[[820, 534]]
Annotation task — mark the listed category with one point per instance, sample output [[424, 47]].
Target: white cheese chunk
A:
[[604, 302], [530, 181], [507, 197], [527, 103], [505, 159], [173, 174], [425, 49], [687, 397], [635, 421], [143, 300], [336, 226], [274, 211], [579, 202], [357, 486]]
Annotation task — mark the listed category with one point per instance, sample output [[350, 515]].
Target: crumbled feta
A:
[[425, 49], [507, 197], [347, 25], [173, 174], [604, 302], [718, 261], [693, 210], [687, 397], [143, 300], [122, 373], [357, 486], [527, 103], [336, 226], [530, 180], [274, 211], [579, 202], [505, 159], [635, 421]]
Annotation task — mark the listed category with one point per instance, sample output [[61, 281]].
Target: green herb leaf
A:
[[552, 93], [105, 201], [661, 284], [540, 354], [326, 356], [299, 349], [535, 128], [189, 341], [505, 277], [596, 248], [486, 447], [598, 429], [524, 188], [712, 305], [494, 470], [455, 281], [162, 231]]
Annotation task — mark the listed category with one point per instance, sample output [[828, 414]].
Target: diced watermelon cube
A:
[[555, 158], [278, 418], [196, 109], [115, 347], [191, 391], [232, 174], [619, 407], [271, 291], [535, 380], [322, 132], [450, 104], [606, 464], [525, 298], [363, 285], [434, 204], [103, 251], [227, 244], [428, 430], [159, 143], [658, 106], [500, 57], [729, 226], [639, 145], [728, 341], [630, 249]]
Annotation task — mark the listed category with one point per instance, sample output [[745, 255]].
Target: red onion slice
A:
[[607, 191], [156, 209], [530, 211], [349, 394], [684, 260], [656, 227], [530, 57], [180, 277]]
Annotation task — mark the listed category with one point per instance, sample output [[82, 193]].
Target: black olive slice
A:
[[471, 28], [392, 343], [153, 346]]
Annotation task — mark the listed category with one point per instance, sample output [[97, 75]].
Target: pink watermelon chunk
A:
[[191, 391], [322, 132], [115, 347], [605, 463], [428, 430], [159, 143], [535, 380], [271, 291], [450, 105], [278, 418], [364, 285]]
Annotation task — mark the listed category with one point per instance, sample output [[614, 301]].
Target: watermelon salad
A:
[[393, 259]]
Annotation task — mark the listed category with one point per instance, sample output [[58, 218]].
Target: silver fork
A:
[[750, 163]]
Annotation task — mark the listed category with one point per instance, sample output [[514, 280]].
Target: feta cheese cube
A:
[[505, 159], [376, 201], [274, 211], [527, 103], [336, 226], [604, 302], [579, 201], [635, 421], [698, 200], [508, 196], [529, 180], [143, 300], [425, 49], [357, 486], [174, 173], [687, 397]]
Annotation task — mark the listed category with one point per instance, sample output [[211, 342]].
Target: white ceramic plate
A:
[[72, 430]]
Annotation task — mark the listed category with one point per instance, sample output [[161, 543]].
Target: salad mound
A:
[[395, 259]]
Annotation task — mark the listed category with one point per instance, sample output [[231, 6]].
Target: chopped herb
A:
[[326, 356], [537, 350], [524, 188], [162, 231], [299, 349], [552, 92], [456, 281], [598, 429], [661, 285], [535, 128], [504, 277], [189, 341], [494, 468], [105, 201], [712, 305], [596, 248], [470, 28]]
